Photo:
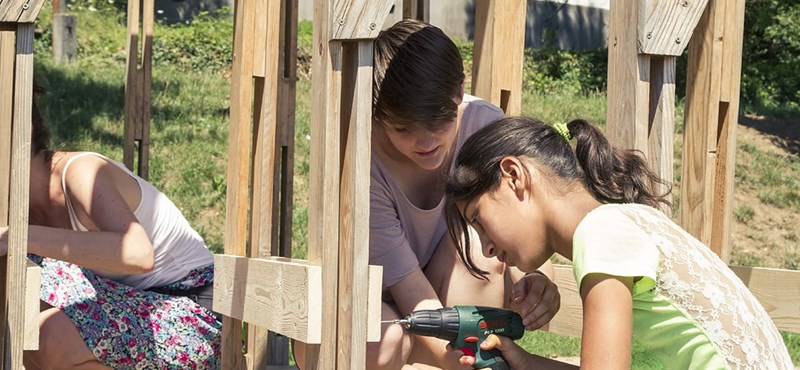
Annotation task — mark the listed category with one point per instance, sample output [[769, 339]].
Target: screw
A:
[[372, 26], [341, 22], [678, 40], [25, 6], [649, 35]]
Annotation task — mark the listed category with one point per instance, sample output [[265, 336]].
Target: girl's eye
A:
[[401, 130]]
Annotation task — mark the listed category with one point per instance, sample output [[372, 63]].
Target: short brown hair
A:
[[418, 72]]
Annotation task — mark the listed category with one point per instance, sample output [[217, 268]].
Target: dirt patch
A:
[[771, 237]]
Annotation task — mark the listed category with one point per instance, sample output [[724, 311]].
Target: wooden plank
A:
[[668, 27], [19, 189], [20, 11], [239, 165], [261, 38], [499, 53], [278, 294], [8, 52], [662, 120], [417, 9], [65, 43], [132, 82], [703, 116], [374, 306], [628, 81], [722, 207], [33, 283], [287, 100], [323, 185], [777, 290], [358, 19], [354, 205], [146, 87]]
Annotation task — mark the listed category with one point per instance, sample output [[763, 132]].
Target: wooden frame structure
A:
[[138, 76], [19, 291]]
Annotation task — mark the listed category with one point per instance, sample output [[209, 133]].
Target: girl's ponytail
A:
[[614, 175]]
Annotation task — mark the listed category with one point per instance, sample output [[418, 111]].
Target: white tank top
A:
[[178, 248]]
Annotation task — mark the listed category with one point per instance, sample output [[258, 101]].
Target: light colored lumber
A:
[[358, 19], [628, 81], [661, 121], [669, 26], [239, 165], [33, 283], [19, 189], [777, 290], [137, 87], [499, 53], [20, 11], [281, 295], [8, 51], [354, 204], [323, 185], [710, 130]]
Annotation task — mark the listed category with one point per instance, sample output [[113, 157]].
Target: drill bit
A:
[[404, 322]]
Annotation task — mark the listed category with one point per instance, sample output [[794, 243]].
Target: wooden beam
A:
[[19, 192], [661, 121], [358, 19], [499, 53], [138, 83], [628, 80], [8, 52], [20, 11], [280, 294], [33, 283], [669, 26], [777, 290], [712, 105], [417, 9]]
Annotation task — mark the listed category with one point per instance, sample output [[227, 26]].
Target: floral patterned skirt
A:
[[127, 328]]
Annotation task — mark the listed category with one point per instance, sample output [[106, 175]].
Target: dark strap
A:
[[202, 295]]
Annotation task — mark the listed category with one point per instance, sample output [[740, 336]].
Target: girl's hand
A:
[[535, 297], [516, 357], [455, 359]]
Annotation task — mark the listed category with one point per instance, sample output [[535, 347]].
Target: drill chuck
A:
[[442, 323]]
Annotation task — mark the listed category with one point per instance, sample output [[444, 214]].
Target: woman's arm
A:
[[120, 244], [607, 322]]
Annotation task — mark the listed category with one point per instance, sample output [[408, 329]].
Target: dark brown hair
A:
[[40, 133], [611, 175], [418, 72]]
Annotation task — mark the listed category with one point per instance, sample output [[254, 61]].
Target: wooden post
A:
[[16, 98], [417, 9], [712, 109], [499, 53], [65, 42], [137, 86], [645, 37]]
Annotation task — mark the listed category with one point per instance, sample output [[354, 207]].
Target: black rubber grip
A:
[[442, 323]]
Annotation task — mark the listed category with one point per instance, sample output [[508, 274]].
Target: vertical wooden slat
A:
[[145, 74], [662, 118], [19, 189], [132, 82], [239, 165], [417, 9], [137, 86], [8, 52], [628, 79], [287, 98], [712, 94], [323, 232], [499, 53], [354, 205]]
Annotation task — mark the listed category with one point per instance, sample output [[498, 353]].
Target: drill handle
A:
[[498, 363]]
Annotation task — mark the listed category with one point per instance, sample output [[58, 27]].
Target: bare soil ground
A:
[[770, 238]]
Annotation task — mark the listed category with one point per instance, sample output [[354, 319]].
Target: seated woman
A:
[[126, 281]]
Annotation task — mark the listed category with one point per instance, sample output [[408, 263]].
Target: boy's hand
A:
[[455, 359], [535, 297], [516, 357]]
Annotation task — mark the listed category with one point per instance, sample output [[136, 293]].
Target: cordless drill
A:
[[466, 327]]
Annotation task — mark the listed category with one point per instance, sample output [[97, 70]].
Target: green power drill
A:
[[466, 327]]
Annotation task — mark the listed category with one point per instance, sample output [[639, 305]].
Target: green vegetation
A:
[[190, 107]]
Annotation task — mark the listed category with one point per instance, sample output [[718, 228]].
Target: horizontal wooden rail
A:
[[283, 295], [777, 290]]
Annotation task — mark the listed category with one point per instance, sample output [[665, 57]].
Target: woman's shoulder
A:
[[474, 107]]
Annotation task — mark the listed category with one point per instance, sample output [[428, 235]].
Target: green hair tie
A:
[[563, 130]]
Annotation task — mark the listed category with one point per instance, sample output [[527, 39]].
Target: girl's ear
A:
[[513, 172]]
